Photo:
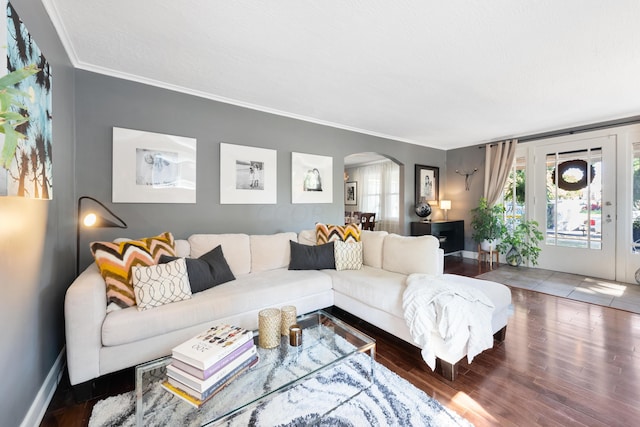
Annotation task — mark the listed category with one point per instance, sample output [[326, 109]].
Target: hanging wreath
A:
[[580, 165]]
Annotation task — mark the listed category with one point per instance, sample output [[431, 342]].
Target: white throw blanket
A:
[[460, 314]]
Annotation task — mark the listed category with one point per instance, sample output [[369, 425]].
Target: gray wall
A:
[[103, 102], [462, 201], [37, 246]]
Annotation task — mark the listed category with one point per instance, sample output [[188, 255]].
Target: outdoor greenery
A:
[[524, 237], [519, 178], [487, 222], [636, 179], [636, 229]]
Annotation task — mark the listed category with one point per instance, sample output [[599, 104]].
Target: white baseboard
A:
[[45, 394]]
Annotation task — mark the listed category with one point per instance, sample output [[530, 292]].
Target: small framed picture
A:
[[153, 167], [351, 193], [311, 178], [247, 175], [427, 183]]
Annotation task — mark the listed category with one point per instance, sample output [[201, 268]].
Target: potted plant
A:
[[521, 242], [487, 224]]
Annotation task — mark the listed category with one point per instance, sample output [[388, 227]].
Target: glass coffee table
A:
[[326, 342]]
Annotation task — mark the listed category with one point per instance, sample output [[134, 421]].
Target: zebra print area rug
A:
[[389, 401]]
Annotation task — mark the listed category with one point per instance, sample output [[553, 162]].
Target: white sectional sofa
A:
[[99, 343]]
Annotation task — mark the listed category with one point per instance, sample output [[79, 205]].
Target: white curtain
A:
[[379, 192], [498, 161]]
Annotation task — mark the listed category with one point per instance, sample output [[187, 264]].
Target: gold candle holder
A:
[[269, 328], [295, 335], [288, 318]]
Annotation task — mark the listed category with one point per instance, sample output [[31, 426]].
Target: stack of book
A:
[[205, 364]]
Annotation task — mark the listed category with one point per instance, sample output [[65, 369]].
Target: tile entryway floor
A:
[[624, 296]]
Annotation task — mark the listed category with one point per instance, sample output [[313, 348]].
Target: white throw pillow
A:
[[348, 256], [160, 284], [410, 254]]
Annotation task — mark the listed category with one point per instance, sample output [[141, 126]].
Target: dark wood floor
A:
[[563, 363]]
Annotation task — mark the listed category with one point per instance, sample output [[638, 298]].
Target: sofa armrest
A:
[[85, 308]]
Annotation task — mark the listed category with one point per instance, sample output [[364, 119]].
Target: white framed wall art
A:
[[248, 175], [311, 178], [153, 167]]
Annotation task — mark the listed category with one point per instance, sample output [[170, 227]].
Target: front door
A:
[[575, 205]]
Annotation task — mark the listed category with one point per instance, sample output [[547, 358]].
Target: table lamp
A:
[[445, 205]]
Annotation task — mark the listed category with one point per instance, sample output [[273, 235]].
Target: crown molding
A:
[[63, 34]]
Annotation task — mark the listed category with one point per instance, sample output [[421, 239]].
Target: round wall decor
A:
[[560, 178]]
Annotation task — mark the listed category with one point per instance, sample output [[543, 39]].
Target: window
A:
[[514, 192], [380, 193], [574, 199]]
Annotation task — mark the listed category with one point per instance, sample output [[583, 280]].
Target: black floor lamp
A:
[[91, 219]]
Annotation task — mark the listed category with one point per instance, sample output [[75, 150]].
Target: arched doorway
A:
[[374, 183]]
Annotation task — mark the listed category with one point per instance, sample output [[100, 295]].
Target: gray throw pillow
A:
[[305, 257], [209, 270]]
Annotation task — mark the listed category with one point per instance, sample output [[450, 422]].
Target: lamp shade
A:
[[445, 204]]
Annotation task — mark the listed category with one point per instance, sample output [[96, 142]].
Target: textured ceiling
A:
[[443, 74]]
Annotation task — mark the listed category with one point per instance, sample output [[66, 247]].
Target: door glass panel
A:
[[514, 193], [574, 199], [635, 214]]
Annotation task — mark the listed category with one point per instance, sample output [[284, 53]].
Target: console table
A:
[[450, 233]]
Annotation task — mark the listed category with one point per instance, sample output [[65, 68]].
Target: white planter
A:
[[489, 245]]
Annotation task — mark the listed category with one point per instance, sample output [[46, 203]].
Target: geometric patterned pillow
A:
[[115, 261], [332, 233], [161, 284], [348, 255]]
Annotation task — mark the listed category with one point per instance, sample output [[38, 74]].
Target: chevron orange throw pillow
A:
[[115, 261], [326, 233]]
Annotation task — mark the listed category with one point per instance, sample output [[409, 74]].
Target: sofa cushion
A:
[[251, 292], [307, 237], [160, 284], [410, 254], [305, 257], [372, 286], [236, 248], [209, 270], [183, 249], [330, 233], [372, 243], [272, 251], [348, 255]]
